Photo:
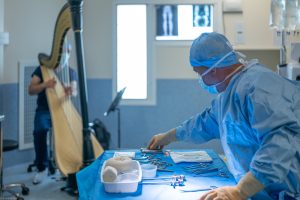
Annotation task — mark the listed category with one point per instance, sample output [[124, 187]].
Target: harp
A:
[[74, 145]]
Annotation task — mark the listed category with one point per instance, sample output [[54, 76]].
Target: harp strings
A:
[[63, 74]]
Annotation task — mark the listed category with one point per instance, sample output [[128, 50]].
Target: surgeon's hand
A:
[[223, 193], [160, 140]]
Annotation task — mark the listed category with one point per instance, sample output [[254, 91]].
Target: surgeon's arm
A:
[[249, 186], [198, 129], [160, 140], [273, 115], [246, 188]]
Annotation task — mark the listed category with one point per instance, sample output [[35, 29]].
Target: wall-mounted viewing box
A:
[[4, 38]]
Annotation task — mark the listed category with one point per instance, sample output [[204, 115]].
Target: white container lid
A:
[[148, 170]]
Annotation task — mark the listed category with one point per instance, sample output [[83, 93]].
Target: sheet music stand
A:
[[114, 107]]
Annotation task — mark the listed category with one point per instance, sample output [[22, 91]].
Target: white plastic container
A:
[[125, 182], [148, 170]]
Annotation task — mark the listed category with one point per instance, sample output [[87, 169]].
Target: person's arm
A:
[[160, 140], [246, 188], [36, 86], [274, 117], [198, 129], [72, 89], [249, 186]]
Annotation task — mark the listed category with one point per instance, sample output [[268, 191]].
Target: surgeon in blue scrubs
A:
[[256, 115]]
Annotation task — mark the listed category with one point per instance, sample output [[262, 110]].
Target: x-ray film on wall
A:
[[183, 22], [166, 20]]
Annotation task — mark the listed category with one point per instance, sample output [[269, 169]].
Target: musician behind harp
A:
[[42, 119]]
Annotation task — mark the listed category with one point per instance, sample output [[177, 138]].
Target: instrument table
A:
[[90, 186]]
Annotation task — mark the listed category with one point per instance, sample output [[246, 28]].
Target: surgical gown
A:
[[257, 119]]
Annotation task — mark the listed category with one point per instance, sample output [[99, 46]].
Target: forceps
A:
[[199, 189]]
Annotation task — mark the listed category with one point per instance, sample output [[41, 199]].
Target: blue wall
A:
[[177, 100], [1, 100]]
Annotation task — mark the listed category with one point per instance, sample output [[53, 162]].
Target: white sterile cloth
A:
[[124, 153], [190, 156]]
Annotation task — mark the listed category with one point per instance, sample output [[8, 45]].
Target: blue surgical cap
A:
[[209, 48]]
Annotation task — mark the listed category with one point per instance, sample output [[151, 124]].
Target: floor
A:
[[50, 188]]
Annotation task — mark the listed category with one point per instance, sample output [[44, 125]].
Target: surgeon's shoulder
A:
[[255, 76], [261, 79]]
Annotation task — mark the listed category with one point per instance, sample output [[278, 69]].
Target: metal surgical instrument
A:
[[199, 189], [176, 180], [199, 165], [202, 171], [164, 170], [158, 151]]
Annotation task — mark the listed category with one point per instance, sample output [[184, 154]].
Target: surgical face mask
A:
[[213, 88], [210, 88]]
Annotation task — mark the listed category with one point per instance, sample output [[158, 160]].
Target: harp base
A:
[[71, 185]]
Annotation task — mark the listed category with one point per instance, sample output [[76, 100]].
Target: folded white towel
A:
[[124, 153], [190, 156]]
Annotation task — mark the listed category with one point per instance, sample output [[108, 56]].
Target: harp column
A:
[[76, 10]]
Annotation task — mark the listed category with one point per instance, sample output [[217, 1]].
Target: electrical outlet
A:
[[4, 38], [239, 33]]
